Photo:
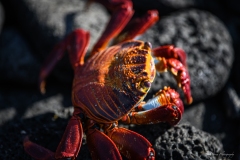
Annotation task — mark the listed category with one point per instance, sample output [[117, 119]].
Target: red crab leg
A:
[[169, 51], [100, 145], [36, 151], [166, 106], [137, 26], [122, 13], [72, 139], [180, 73], [131, 144], [68, 148], [75, 43]]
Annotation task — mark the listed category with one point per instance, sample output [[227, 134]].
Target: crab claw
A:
[[169, 51], [166, 106], [180, 74]]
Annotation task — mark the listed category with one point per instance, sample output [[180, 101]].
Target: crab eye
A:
[[147, 45], [145, 85]]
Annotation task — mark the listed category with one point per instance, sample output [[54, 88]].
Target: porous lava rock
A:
[[208, 46], [186, 142]]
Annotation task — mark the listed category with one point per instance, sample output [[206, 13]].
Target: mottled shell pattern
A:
[[114, 81]]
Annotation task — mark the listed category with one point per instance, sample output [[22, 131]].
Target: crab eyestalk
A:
[[145, 86]]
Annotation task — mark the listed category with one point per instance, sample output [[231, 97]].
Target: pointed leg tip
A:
[[189, 100], [36, 151], [25, 139], [42, 87]]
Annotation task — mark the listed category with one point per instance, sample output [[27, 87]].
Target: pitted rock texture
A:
[[208, 46], [186, 142]]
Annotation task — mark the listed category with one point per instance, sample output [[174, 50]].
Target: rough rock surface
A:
[[208, 46], [186, 142]]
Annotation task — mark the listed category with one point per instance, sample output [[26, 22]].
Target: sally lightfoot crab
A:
[[110, 85]]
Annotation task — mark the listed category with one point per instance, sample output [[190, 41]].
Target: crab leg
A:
[[180, 73], [137, 26], [75, 44], [68, 148], [72, 139], [122, 25], [36, 151], [131, 144], [122, 13], [99, 144], [166, 106]]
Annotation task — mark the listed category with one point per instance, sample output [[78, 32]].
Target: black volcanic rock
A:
[[208, 46], [186, 142]]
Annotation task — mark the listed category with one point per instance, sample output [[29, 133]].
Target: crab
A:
[[110, 85]]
